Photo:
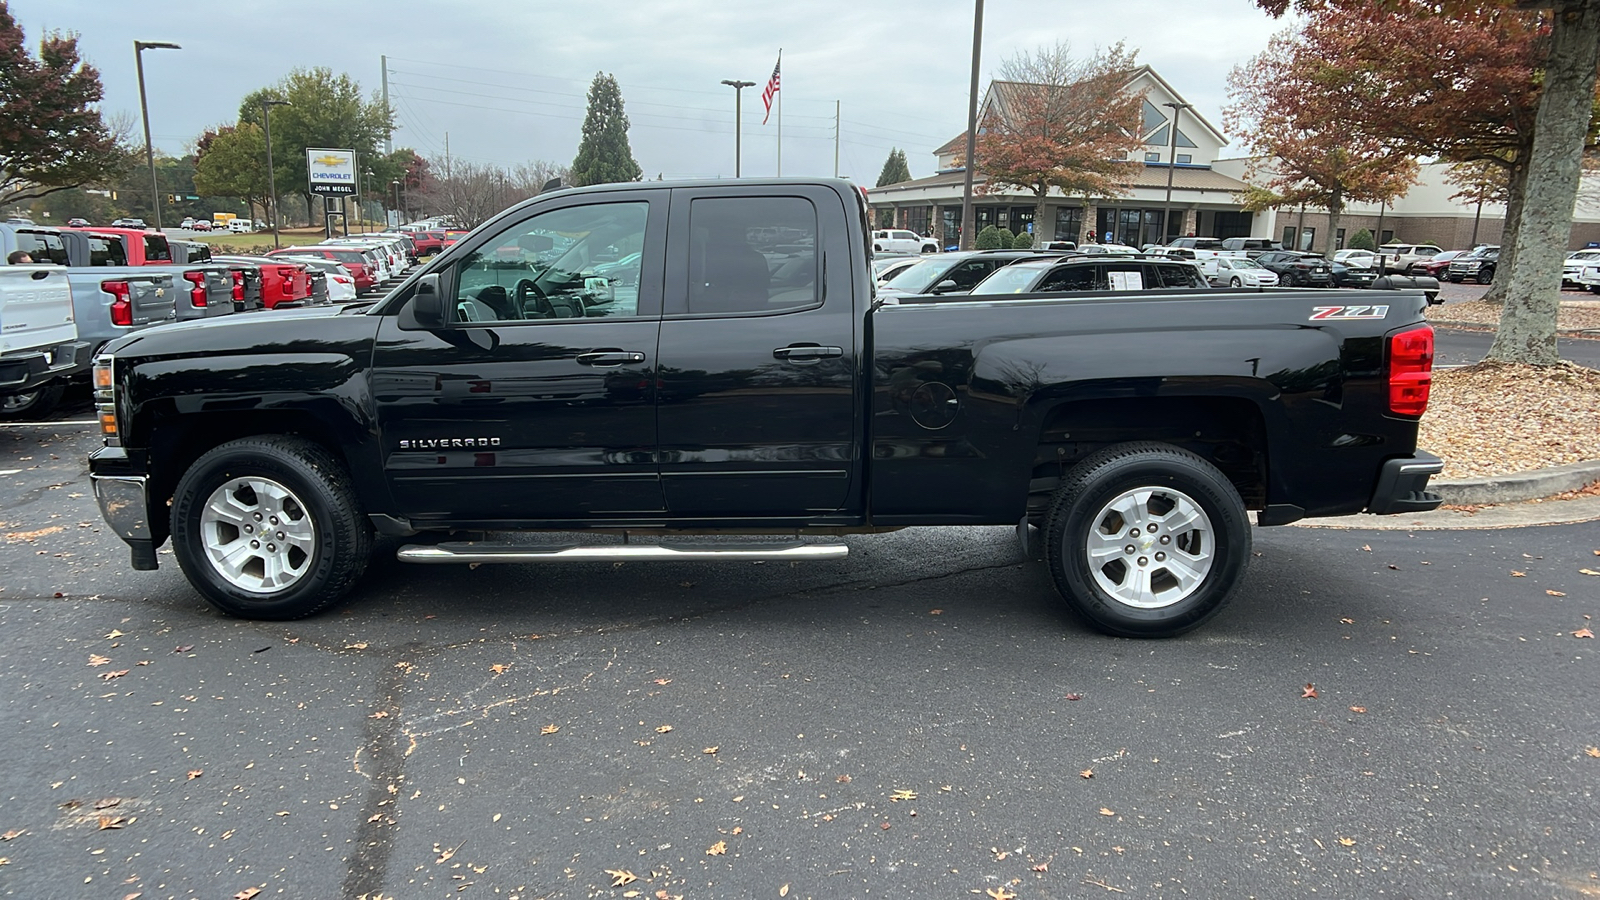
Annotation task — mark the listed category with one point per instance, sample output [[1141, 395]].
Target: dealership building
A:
[[1205, 194]]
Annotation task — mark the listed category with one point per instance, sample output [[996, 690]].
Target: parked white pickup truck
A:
[[38, 336], [898, 240]]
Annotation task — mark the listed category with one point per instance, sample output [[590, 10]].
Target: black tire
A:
[[1235, 282], [1081, 504], [321, 490], [1485, 276], [41, 401]]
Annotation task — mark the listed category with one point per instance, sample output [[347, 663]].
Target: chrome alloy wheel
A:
[[1151, 547], [257, 535]]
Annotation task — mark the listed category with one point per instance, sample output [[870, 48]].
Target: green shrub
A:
[[1362, 240], [988, 239], [1023, 241]]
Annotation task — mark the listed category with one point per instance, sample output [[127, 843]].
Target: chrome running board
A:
[[474, 552]]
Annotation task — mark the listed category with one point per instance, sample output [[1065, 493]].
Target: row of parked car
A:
[[86, 286]]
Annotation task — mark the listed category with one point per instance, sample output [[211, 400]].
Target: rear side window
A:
[[105, 251], [1177, 277], [199, 253], [155, 248], [1123, 276], [752, 254], [968, 274], [1069, 278], [43, 246], [347, 256]]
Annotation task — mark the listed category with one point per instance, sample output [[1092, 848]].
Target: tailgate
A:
[[152, 298], [35, 308]]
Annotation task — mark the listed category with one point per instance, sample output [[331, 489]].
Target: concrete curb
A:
[[1532, 485], [1483, 326]]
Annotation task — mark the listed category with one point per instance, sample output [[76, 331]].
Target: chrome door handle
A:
[[609, 358]]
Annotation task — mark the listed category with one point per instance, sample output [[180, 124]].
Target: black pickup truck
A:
[[667, 362]]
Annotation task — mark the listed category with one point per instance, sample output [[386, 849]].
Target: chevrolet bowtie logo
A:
[[329, 161]]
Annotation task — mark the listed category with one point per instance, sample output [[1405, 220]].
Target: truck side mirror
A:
[[428, 304]]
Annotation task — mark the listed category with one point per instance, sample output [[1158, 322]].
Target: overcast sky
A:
[[506, 80]]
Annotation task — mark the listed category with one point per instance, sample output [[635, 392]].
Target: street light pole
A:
[[397, 214], [967, 230], [144, 109], [1172, 166], [272, 177], [738, 117]]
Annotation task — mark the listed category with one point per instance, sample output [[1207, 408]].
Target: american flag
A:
[[772, 88]]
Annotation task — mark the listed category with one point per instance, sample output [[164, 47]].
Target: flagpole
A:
[[780, 116]]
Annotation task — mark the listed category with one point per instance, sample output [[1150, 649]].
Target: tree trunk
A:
[[1038, 216], [1516, 187], [1527, 332], [1335, 210]]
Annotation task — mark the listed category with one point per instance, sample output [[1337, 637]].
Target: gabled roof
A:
[[1004, 94]]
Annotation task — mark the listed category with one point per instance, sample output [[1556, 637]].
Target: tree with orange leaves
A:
[[1056, 123]]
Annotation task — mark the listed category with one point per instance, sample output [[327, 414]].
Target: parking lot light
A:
[[144, 110]]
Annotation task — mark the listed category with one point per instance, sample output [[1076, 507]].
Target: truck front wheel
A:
[[269, 528], [41, 401], [1146, 540]]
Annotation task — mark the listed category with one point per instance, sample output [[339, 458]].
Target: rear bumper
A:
[[1403, 485], [24, 371]]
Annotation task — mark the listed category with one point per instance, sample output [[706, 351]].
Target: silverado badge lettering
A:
[[447, 443]]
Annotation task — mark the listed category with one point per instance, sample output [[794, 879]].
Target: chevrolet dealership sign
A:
[[331, 171]]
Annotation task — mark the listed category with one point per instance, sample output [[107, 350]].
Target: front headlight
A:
[[105, 399]]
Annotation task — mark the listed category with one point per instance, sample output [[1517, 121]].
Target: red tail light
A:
[[1410, 371], [238, 285], [197, 294], [122, 306]]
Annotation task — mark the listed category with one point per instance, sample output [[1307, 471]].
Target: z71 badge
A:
[[1349, 312]]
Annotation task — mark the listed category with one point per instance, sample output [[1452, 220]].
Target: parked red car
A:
[[352, 260], [427, 242], [282, 283], [1437, 266]]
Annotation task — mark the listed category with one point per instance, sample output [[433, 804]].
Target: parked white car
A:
[[1364, 259], [1192, 248], [885, 269], [1237, 271], [1575, 263], [898, 240], [1589, 277]]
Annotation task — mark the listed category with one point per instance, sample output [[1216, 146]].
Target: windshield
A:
[[1206, 244], [1012, 279], [1246, 264], [920, 277]]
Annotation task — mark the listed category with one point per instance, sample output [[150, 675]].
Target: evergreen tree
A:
[[895, 168], [989, 238], [604, 155], [1362, 240], [1023, 241]]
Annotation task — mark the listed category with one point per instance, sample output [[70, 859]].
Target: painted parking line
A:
[[48, 424]]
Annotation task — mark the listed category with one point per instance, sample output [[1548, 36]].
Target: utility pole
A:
[[388, 138], [836, 139], [272, 179], [144, 110], [1172, 166], [972, 128]]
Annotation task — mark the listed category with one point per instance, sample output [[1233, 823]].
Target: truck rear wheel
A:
[[269, 528], [1146, 540], [41, 401]]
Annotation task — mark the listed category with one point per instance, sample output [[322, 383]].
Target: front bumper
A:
[[122, 489], [20, 372], [1403, 485]]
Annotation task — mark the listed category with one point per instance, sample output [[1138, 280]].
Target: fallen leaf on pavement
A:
[[1583, 633], [1347, 842], [110, 675], [380, 714], [107, 802], [843, 779], [902, 795], [183, 648], [1074, 696], [1347, 621], [1358, 709], [1516, 574], [621, 877], [663, 729], [12, 834], [115, 633], [717, 849], [358, 645], [195, 773], [711, 751], [935, 612], [110, 822], [1555, 593], [445, 855], [884, 826], [1000, 893], [1588, 572], [1394, 567], [663, 681], [783, 891], [1042, 867], [499, 668], [1086, 773], [550, 729], [247, 893], [1367, 547], [1593, 751], [1106, 812], [97, 660], [1309, 692]]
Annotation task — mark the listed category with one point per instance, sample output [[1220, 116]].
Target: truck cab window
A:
[[752, 254], [43, 246], [577, 262]]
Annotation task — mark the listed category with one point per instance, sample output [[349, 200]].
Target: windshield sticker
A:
[[1349, 312]]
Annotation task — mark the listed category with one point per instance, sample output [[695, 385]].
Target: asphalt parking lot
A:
[[921, 719]]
